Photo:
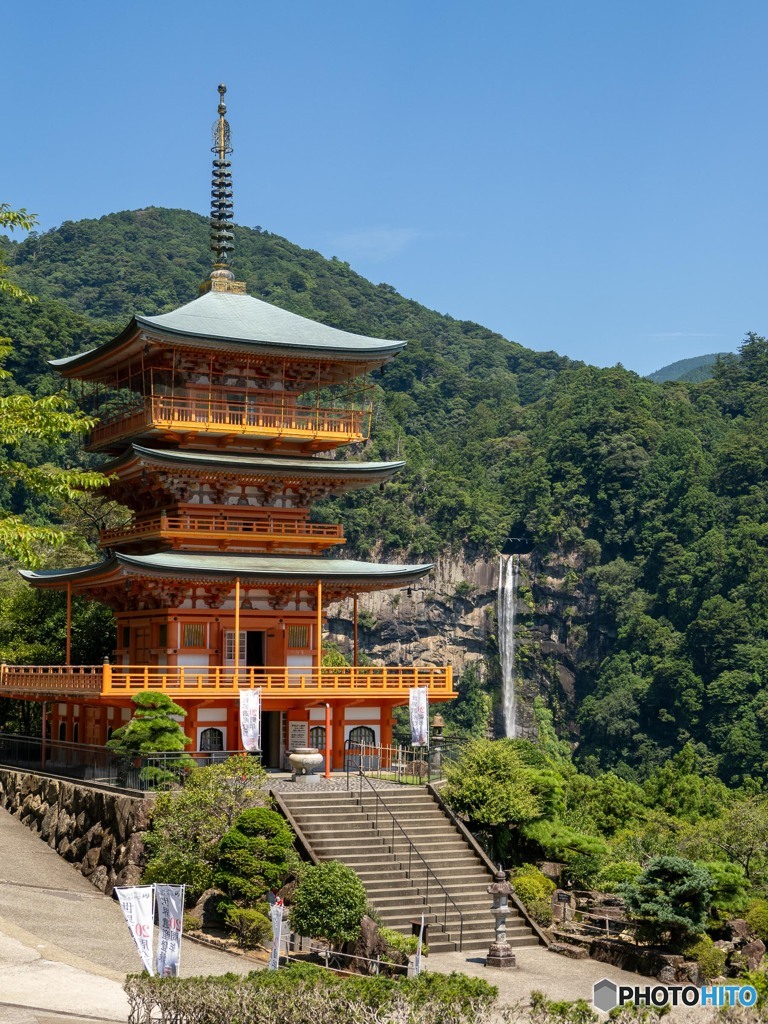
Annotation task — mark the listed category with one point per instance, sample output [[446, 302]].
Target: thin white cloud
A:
[[376, 244], [682, 334]]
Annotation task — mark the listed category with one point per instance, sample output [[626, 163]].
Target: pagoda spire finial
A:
[[222, 238]]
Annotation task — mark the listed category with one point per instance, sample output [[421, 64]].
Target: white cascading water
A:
[[506, 623]]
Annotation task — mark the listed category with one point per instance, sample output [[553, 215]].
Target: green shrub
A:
[[152, 730], [550, 1011], [251, 926], [583, 869], [177, 867], [188, 824], [404, 944], [757, 918], [254, 856], [729, 889], [530, 885], [329, 903], [305, 993], [540, 911], [669, 900], [710, 959], [614, 876]]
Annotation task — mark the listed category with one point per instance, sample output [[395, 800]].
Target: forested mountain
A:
[[655, 494], [693, 370]]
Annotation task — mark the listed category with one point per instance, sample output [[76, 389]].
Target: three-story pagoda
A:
[[229, 410]]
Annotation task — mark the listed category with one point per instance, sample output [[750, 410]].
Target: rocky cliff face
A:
[[451, 618]]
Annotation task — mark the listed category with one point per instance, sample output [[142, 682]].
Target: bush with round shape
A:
[[709, 958], [329, 903], [670, 900], [254, 856], [613, 877], [251, 925], [532, 885]]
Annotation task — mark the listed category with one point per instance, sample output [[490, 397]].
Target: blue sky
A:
[[586, 177]]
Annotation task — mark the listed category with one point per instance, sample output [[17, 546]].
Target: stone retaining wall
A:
[[99, 832]]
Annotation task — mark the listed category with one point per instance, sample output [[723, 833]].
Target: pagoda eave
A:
[[236, 324], [336, 474], [340, 577]]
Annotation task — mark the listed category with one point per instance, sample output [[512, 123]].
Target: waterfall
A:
[[508, 568]]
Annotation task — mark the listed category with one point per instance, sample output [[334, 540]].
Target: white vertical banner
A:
[[137, 903], [417, 960], [276, 917], [250, 719], [170, 916], [419, 711]]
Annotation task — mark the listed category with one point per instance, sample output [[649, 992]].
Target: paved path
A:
[[64, 946], [558, 977]]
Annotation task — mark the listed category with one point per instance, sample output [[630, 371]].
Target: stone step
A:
[[324, 831], [409, 865]]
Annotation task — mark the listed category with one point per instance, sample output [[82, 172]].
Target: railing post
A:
[[106, 677]]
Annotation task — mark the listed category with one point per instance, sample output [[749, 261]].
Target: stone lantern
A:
[[501, 953]]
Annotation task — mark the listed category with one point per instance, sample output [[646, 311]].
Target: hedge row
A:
[[303, 994]]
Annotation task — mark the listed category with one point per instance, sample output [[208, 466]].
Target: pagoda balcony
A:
[[219, 420], [262, 533], [50, 682]]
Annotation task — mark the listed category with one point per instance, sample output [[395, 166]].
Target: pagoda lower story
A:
[[187, 650]]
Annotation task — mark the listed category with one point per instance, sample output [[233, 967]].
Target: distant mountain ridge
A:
[[693, 370]]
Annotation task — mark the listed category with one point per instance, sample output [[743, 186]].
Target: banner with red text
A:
[[137, 903], [250, 719], [170, 915]]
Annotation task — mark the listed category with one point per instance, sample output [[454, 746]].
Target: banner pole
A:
[[237, 632], [328, 741]]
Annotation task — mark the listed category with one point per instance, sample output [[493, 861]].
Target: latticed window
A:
[[298, 636], [317, 737], [212, 739], [193, 634], [229, 647], [362, 735]]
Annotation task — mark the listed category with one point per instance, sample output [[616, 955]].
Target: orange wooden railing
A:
[[219, 415], [220, 526], [49, 679], [225, 681]]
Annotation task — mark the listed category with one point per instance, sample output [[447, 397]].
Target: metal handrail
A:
[[411, 850]]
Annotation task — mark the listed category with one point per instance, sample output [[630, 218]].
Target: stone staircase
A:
[[357, 830]]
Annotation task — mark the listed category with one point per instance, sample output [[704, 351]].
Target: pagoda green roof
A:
[[272, 465], [242, 321], [256, 568]]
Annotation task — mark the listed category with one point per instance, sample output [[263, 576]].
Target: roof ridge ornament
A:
[[222, 208]]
